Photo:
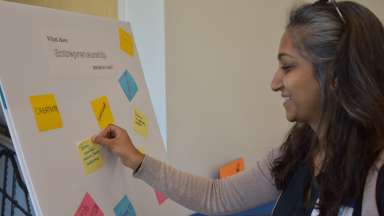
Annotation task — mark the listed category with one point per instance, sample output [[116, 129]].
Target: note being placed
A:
[[90, 156], [102, 111], [46, 111]]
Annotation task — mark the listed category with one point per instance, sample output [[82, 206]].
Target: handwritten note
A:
[[140, 123], [88, 207], [124, 208], [46, 111], [126, 42], [128, 84], [102, 110], [90, 156], [231, 168], [160, 197]]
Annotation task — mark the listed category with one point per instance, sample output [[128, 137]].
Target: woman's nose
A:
[[277, 81]]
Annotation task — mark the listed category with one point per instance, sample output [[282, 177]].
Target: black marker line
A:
[[102, 111]]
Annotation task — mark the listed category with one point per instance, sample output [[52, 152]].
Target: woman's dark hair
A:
[[347, 54]]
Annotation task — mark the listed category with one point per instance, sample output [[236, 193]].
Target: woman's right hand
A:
[[117, 140]]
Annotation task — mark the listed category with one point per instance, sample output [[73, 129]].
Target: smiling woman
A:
[[337, 49]]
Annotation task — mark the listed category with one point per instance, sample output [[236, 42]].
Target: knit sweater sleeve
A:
[[213, 197]]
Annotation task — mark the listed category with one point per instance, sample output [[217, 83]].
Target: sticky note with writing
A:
[[128, 84], [124, 208], [160, 197], [231, 168], [88, 207], [140, 123], [46, 112], [102, 111], [90, 156], [126, 42]]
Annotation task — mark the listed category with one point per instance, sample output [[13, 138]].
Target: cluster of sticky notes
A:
[[126, 42], [140, 123], [128, 84], [90, 155], [88, 207], [231, 168], [160, 197], [46, 111], [102, 111], [124, 208]]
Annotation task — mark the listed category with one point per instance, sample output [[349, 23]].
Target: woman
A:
[[331, 77]]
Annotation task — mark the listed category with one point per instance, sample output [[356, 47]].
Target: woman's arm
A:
[[214, 197]]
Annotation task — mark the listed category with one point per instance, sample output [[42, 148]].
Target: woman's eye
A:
[[287, 68]]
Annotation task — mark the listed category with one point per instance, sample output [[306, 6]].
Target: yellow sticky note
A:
[[126, 42], [102, 112], [140, 123], [90, 156], [46, 112]]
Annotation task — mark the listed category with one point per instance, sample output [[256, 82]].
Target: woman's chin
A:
[[290, 117]]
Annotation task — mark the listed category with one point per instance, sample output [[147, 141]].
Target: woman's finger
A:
[[105, 136]]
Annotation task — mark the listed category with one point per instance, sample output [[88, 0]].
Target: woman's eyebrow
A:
[[281, 56]]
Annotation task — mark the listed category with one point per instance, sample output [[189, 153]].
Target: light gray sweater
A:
[[243, 191]]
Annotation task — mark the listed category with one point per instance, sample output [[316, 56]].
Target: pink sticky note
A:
[[88, 207], [160, 197]]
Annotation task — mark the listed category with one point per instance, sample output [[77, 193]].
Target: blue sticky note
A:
[[124, 208], [128, 84]]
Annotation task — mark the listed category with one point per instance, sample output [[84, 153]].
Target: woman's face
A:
[[295, 79]]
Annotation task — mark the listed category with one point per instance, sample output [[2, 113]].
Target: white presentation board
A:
[[64, 76]]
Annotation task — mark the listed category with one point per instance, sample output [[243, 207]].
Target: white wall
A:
[[147, 21]]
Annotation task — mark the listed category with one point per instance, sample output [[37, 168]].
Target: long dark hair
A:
[[347, 52]]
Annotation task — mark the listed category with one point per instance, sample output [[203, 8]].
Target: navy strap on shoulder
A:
[[291, 201], [380, 191]]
